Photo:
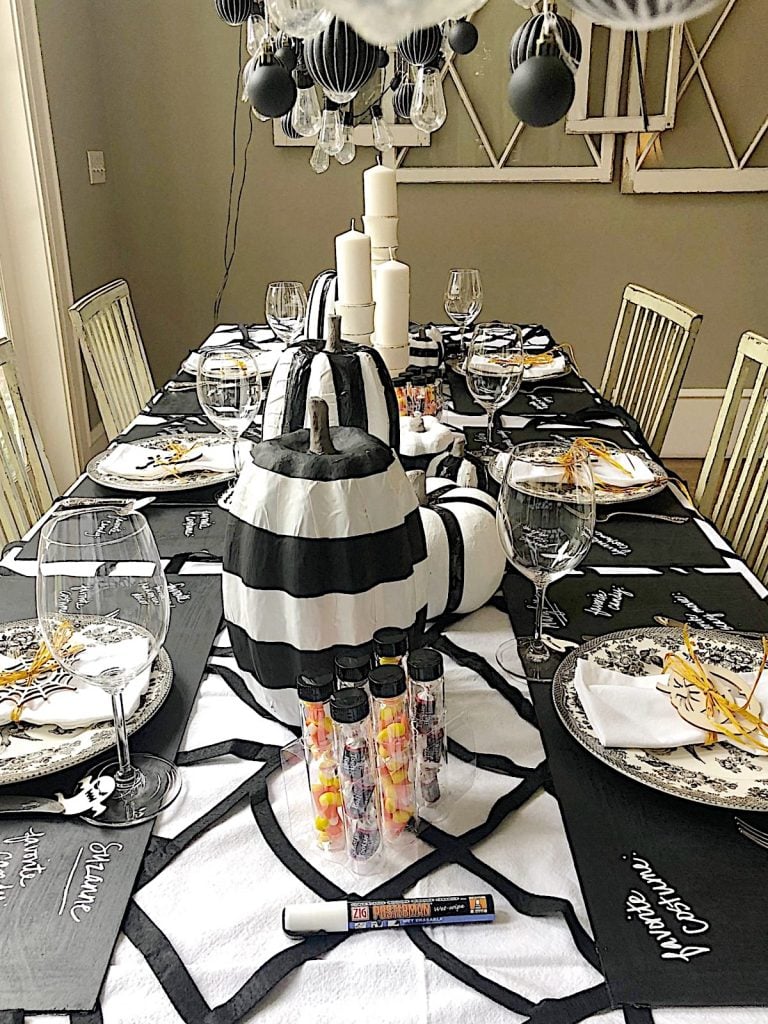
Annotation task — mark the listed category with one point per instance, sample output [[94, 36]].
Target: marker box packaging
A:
[[361, 915], [314, 694], [394, 760], [350, 712], [426, 686]]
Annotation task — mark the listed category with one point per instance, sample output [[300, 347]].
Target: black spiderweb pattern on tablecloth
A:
[[177, 982]]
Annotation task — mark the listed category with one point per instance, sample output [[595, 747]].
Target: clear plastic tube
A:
[[427, 696], [394, 750], [352, 739], [322, 765]]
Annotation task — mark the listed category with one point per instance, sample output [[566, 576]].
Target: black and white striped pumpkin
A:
[[524, 43], [427, 348], [422, 438], [643, 14], [320, 304], [352, 379], [340, 60], [325, 546], [464, 554], [457, 466]]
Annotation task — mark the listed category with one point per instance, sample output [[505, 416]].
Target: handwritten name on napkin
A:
[[659, 898]]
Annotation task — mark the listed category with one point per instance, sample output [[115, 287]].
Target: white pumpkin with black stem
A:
[[351, 379], [464, 554], [325, 545]]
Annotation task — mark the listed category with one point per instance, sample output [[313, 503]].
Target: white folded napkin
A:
[[558, 365], [629, 711], [139, 462], [266, 361], [82, 703], [604, 473], [228, 334]]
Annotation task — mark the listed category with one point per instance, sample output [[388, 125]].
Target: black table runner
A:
[[57, 930]]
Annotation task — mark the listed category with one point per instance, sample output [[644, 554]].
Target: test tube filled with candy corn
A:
[[350, 711], [427, 697], [394, 760], [314, 694]]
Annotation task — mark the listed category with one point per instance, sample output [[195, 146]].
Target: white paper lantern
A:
[[388, 21], [643, 14]]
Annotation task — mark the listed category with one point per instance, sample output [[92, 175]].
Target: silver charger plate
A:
[[457, 364], [183, 482], [30, 751], [602, 497], [720, 775]]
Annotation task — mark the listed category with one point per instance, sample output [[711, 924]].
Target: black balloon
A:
[[234, 12], [524, 42], [463, 37], [339, 60], [402, 98], [286, 123], [541, 90], [422, 46], [286, 55], [271, 89], [382, 58]]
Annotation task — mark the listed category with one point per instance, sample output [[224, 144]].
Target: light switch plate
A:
[[97, 171]]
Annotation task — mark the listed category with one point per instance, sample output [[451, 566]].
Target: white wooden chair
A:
[[648, 357], [113, 354], [733, 486], [26, 483]]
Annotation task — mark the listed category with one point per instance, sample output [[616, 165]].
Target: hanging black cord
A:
[[393, 84], [641, 81], [230, 234]]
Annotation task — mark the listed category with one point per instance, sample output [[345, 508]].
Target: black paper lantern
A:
[[525, 41], [286, 55], [643, 14], [402, 98], [234, 12], [422, 46], [340, 61], [286, 123], [463, 37], [541, 90], [271, 89], [382, 58]]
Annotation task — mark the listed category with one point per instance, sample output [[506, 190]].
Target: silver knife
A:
[[90, 797]]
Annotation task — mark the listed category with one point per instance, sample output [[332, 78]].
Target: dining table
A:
[[604, 886]]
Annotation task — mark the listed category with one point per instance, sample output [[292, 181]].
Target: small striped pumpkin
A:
[[427, 348], [457, 466], [643, 14], [352, 379], [320, 304], [464, 554], [422, 439], [325, 545]]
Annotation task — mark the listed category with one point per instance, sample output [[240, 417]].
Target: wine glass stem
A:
[[538, 628], [126, 773], [236, 455]]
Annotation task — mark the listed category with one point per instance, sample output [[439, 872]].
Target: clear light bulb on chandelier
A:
[[250, 65], [331, 137], [307, 116], [428, 110], [382, 133], [258, 116], [348, 150], [303, 18], [319, 161], [255, 34]]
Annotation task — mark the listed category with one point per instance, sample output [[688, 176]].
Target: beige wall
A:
[[153, 85]]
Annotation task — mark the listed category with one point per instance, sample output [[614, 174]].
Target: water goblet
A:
[[494, 372]]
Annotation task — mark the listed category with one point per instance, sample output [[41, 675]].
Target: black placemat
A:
[[588, 603], [58, 930], [532, 399], [675, 895]]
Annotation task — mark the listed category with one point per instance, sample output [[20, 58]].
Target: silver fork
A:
[[549, 387], [180, 385], [644, 515], [750, 832]]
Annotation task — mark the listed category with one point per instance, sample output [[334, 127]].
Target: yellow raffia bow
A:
[[589, 446], [178, 450], [736, 714], [43, 661]]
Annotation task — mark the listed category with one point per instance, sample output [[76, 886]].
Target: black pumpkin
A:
[[324, 546], [422, 46], [524, 43], [234, 12], [352, 379], [340, 61]]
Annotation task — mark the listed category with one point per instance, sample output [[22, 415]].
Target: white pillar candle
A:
[[392, 295], [353, 266], [380, 191]]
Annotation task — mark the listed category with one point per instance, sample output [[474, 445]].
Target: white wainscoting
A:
[[693, 422]]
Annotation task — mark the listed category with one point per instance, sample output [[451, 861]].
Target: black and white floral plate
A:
[[29, 751], [720, 775], [182, 482]]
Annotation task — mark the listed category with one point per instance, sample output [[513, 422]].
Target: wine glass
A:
[[106, 631], [463, 299], [545, 518], [286, 309], [494, 370], [229, 392]]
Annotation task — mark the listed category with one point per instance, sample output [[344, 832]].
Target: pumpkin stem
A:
[[320, 442], [333, 343], [417, 424], [418, 480]]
